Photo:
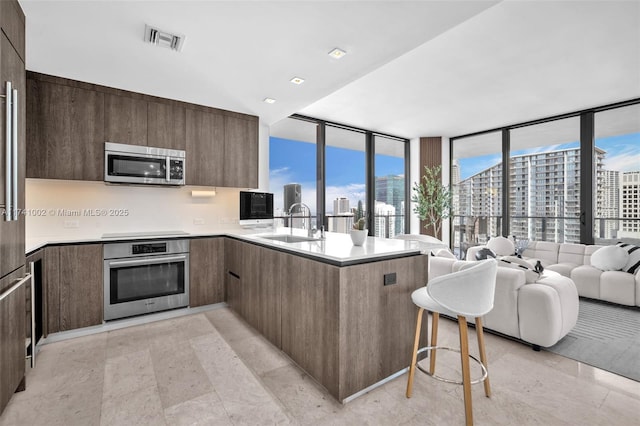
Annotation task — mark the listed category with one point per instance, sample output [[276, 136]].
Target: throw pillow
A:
[[609, 258], [443, 252], [633, 263], [530, 275], [485, 253], [501, 246]]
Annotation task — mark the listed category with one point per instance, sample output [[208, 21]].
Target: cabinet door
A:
[[12, 233], [240, 152], [166, 125], [125, 120], [205, 148], [65, 133], [206, 271], [233, 259], [272, 271], [12, 337], [74, 278]]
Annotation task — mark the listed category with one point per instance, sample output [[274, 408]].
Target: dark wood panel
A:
[[66, 132], [206, 271], [12, 338], [12, 21], [51, 290], [310, 319], [81, 285], [271, 274], [377, 322], [430, 156], [12, 233], [240, 153], [233, 259], [205, 148], [166, 125], [125, 120]]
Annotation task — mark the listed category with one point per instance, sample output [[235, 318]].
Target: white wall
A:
[[263, 157], [149, 209]]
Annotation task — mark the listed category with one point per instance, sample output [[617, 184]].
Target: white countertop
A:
[[336, 248]]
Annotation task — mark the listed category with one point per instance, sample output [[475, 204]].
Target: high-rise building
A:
[[390, 190], [630, 205], [607, 204], [340, 206], [544, 197], [385, 220]]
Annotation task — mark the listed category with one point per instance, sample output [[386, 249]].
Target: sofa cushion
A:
[[610, 258], [501, 246], [443, 252], [563, 269], [530, 275], [618, 287], [587, 281], [633, 263], [571, 253], [544, 251]]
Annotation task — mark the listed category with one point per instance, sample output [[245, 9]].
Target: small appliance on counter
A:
[[256, 209], [145, 165]]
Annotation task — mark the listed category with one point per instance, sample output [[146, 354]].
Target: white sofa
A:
[[574, 261], [539, 313]]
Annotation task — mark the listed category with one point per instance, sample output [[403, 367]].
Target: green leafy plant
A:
[[434, 201]]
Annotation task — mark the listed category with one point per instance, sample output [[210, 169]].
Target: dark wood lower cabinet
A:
[[12, 337], [74, 286], [342, 325], [206, 271]]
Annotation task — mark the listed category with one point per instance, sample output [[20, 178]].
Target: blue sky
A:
[[295, 162], [622, 154]]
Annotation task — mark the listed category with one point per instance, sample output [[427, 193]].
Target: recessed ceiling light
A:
[[269, 101], [337, 53], [297, 80]]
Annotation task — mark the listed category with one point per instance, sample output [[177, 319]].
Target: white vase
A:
[[358, 236]]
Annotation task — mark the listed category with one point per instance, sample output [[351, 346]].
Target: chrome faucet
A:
[[310, 230]]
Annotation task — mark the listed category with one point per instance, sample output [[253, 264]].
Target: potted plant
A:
[[359, 231], [433, 201]]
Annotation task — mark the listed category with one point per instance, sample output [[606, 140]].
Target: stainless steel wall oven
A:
[[145, 276]]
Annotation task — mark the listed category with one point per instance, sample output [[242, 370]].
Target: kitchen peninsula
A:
[[343, 313]]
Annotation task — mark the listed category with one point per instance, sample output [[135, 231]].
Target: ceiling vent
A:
[[163, 38]]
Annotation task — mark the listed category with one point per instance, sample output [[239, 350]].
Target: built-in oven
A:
[[143, 165], [145, 276]]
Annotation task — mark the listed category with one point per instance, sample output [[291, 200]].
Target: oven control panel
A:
[[149, 248]]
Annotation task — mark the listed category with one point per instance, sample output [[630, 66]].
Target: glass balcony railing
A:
[[386, 226]]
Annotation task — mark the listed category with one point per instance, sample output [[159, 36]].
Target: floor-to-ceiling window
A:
[[331, 168], [389, 187], [476, 183], [616, 197], [292, 169], [544, 181], [345, 191]]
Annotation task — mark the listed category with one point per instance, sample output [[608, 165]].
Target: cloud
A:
[[624, 162]]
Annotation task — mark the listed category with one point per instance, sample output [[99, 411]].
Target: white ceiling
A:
[[415, 68]]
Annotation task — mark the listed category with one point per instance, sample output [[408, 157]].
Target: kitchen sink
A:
[[285, 238]]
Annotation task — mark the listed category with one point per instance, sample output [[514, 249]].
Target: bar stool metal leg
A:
[[414, 357], [466, 374], [435, 316], [483, 355]]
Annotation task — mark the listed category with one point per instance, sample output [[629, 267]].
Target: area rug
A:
[[607, 336]]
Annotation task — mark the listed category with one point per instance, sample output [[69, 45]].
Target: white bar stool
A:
[[466, 293]]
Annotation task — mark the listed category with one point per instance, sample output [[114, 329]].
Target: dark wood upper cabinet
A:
[[65, 132], [240, 152], [205, 148], [12, 22], [125, 119], [166, 125]]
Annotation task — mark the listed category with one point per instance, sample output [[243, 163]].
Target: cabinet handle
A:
[[167, 168], [15, 287], [234, 275], [8, 210], [14, 142], [33, 314]]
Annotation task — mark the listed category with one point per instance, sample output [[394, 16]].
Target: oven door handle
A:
[[147, 261]]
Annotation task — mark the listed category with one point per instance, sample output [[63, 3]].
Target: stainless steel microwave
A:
[[143, 164]]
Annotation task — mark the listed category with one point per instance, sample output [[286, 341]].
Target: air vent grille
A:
[[163, 38]]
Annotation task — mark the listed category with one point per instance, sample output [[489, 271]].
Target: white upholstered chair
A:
[[466, 293]]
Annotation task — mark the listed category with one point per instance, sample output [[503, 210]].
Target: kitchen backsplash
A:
[[80, 209]]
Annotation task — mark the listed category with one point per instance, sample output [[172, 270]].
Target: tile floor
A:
[[212, 369]]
